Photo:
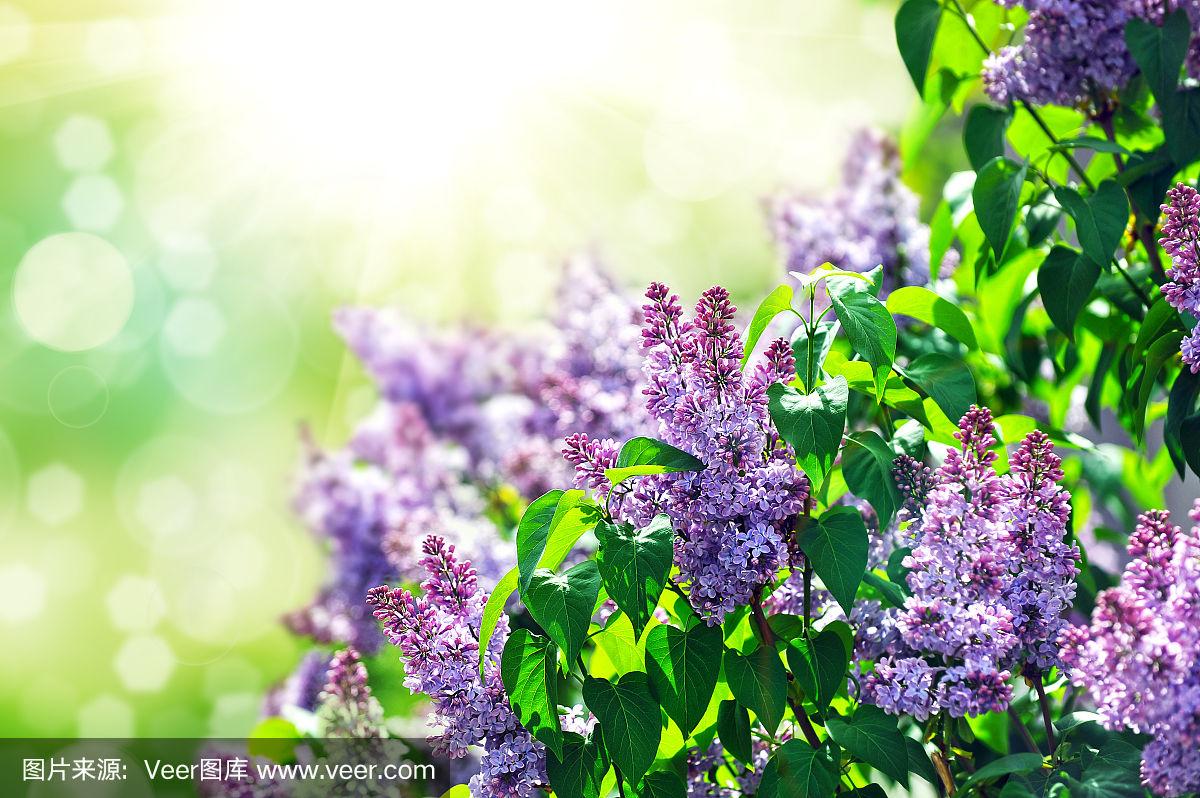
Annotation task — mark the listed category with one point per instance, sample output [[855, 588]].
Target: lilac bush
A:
[[1181, 240]]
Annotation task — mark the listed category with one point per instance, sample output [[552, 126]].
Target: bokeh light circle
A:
[[83, 144], [22, 592], [73, 291], [229, 354], [158, 493], [55, 494], [93, 202], [77, 397]]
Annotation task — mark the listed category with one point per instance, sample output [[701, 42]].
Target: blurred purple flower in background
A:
[[1181, 240]]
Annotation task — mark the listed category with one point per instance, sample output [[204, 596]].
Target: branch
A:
[[768, 636]]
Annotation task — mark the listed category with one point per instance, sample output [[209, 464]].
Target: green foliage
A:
[[916, 28], [634, 564], [812, 423], [1065, 281], [947, 380], [868, 326], [924, 305], [1099, 220], [758, 682], [867, 468], [778, 301], [562, 605], [644, 456], [997, 197], [983, 134], [663, 784], [819, 665], [798, 771], [872, 736], [836, 545], [579, 771], [628, 719], [529, 670], [682, 675], [733, 727]]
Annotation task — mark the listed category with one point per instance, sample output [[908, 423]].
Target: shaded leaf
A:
[[1065, 281], [629, 719], [997, 195], [819, 665], [778, 301], [872, 736], [579, 772], [759, 682], [733, 727], [916, 28], [797, 770], [947, 380], [836, 545]]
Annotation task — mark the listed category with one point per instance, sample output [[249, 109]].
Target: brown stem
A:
[[768, 636], [1045, 704], [1145, 230], [1023, 732]]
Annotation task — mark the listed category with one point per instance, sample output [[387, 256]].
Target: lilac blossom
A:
[[990, 576], [1181, 240], [731, 518], [346, 707], [870, 220], [301, 690], [1074, 51], [1139, 659]]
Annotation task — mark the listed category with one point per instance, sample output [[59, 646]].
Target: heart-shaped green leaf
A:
[[680, 666], [1100, 220], [634, 564], [812, 423], [580, 771], [562, 605], [819, 665], [758, 681], [872, 736], [867, 467], [836, 545], [733, 727], [997, 195], [797, 770], [1065, 281], [529, 670], [630, 721]]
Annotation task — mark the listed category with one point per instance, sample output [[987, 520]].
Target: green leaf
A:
[[924, 305], [579, 772], [1160, 51], [941, 238], [629, 719], [634, 564], [997, 195], [733, 727], [1181, 124], [1066, 280], [812, 423], [870, 791], [758, 681], [983, 134], [819, 665], [566, 527], [919, 762], [1042, 219], [681, 670], [1005, 765], [889, 591], [896, 571], [871, 735], [822, 340], [640, 457], [1091, 143], [1100, 220], [562, 605], [836, 545], [663, 784], [778, 301], [1181, 431], [916, 28], [529, 670], [797, 770], [947, 380], [1114, 772], [538, 522], [869, 328], [867, 467]]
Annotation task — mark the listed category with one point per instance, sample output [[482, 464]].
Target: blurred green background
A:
[[189, 188]]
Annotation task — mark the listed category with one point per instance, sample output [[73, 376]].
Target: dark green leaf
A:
[[1114, 772], [941, 238], [896, 570], [630, 721], [924, 305], [785, 626], [535, 528], [819, 665], [682, 673], [947, 380], [1096, 386], [797, 770], [918, 760], [1156, 357], [868, 325], [1181, 431], [1160, 51], [663, 784], [579, 772], [1181, 124], [758, 681], [1091, 143], [812, 423], [822, 340], [1066, 280], [836, 545], [867, 467], [778, 301], [562, 605], [733, 727], [870, 791], [983, 134], [872, 736], [634, 564], [643, 456], [1042, 219], [1100, 220], [1013, 763], [529, 670], [997, 195], [891, 593], [916, 28]]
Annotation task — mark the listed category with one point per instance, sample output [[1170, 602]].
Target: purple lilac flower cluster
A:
[[870, 220], [1074, 50], [990, 575], [703, 765], [394, 483], [731, 518], [437, 634], [1181, 240], [1140, 658], [345, 706]]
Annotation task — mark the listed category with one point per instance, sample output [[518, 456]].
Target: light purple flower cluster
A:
[[870, 220], [301, 689], [705, 778], [1140, 658], [437, 632], [346, 707], [991, 575], [1181, 240], [1074, 50], [392, 485], [731, 517]]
